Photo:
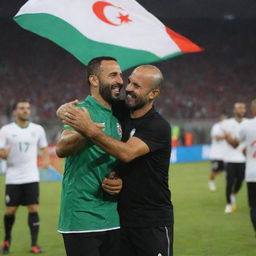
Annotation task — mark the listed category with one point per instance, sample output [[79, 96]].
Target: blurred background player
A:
[[19, 143], [234, 157], [247, 135], [218, 147]]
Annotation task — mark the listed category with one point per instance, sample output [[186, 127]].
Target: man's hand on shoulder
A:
[[80, 120], [64, 108]]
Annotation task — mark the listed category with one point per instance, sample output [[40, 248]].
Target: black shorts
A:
[[152, 241], [251, 189], [22, 194], [106, 243], [218, 165]]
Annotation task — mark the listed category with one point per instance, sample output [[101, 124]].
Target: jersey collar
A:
[[21, 126]]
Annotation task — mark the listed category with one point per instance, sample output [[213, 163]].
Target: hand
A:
[[45, 164], [63, 108], [4, 152], [227, 136], [112, 184], [79, 118]]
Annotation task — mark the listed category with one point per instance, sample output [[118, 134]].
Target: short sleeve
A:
[[42, 142], [3, 138], [156, 133]]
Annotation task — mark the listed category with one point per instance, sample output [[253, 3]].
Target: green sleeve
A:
[[68, 127]]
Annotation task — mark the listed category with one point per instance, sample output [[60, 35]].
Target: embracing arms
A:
[[124, 151]]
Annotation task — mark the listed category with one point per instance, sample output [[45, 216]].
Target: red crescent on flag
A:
[[98, 9]]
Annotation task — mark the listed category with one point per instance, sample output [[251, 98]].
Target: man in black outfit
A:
[[145, 209]]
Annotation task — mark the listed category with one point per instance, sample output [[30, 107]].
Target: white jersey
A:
[[247, 134], [22, 159], [218, 147], [232, 127]]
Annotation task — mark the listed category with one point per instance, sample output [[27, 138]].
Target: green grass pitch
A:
[[201, 227]]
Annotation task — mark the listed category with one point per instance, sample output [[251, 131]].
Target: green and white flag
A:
[[89, 28]]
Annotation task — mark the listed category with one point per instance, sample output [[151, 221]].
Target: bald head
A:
[[143, 87], [253, 107], [151, 73]]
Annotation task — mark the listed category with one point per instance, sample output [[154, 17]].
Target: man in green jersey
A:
[[88, 220]]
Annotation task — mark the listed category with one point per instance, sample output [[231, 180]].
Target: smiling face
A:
[[142, 87], [110, 80]]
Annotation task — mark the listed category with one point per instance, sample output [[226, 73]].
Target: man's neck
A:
[[142, 111], [239, 119], [101, 100], [22, 123]]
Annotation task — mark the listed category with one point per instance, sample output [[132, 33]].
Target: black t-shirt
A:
[[145, 199]]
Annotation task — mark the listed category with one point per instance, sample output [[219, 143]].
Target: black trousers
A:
[[251, 189], [234, 178], [106, 243], [152, 241]]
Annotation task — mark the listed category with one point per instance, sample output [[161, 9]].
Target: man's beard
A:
[[24, 119], [138, 105], [106, 93], [240, 115]]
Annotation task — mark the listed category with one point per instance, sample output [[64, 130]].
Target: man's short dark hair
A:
[[94, 65], [15, 104]]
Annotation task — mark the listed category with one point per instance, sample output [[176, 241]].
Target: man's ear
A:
[[154, 93], [94, 81]]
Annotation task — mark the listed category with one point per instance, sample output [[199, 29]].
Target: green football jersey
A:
[[85, 206]]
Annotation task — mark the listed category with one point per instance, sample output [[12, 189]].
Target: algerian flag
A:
[[89, 28]]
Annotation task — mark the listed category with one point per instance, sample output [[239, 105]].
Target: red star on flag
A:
[[124, 18]]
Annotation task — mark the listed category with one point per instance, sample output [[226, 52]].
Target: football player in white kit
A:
[[218, 150], [247, 135], [19, 144], [234, 157]]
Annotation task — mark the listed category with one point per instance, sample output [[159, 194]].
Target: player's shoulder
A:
[[82, 103], [248, 122], [216, 125], [36, 126], [89, 102], [229, 121], [156, 121], [8, 127]]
